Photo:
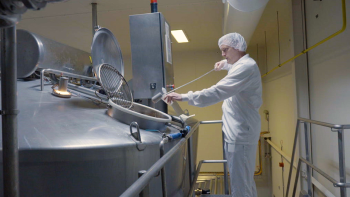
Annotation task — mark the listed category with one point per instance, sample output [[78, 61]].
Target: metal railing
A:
[[341, 151], [137, 187], [214, 161], [68, 74]]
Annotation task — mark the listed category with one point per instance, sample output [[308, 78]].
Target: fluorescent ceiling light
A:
[[180, 36]]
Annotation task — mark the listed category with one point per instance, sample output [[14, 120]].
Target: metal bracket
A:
[[9, 112], [139, 145]]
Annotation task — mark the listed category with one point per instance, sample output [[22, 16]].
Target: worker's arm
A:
[[233, 83]]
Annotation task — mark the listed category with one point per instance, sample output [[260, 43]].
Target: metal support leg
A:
[[190, 163], [296, 178], [342, 172], [145, 191], [164, 186], [225, 165], [293, 153], [9, 111], [308, 169]]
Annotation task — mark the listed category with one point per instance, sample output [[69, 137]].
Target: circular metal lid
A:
[[105, 49]]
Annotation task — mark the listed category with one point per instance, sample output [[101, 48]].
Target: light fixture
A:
[[62, 88], [180, 36]]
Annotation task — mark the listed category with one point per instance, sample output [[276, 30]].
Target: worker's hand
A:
[[219, 65], [172, 97]]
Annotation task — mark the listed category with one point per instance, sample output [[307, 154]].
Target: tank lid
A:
[[105, 49]]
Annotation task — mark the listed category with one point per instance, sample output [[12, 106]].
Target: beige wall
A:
[[279, 87]]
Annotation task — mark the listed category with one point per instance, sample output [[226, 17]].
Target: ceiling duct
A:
[[243, 16], [247, 5]]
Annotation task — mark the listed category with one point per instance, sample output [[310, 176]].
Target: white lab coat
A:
[[241, 92]]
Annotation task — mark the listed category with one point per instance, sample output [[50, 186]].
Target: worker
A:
[[241, 91]]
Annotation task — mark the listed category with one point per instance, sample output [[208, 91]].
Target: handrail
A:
[[211, 122], [317, 44], [144, 180], [342, 184], [287, 158], [333, 126], [223, 151]]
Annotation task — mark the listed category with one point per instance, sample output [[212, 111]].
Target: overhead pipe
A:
[[154, 6], [9, 112], [94, 18], [317, 44]]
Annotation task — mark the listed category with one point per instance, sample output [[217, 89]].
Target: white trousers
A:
[[241, 165]]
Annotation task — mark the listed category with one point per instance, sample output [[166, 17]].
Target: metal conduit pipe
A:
[[9, 111], [94, 18], [317, 44]]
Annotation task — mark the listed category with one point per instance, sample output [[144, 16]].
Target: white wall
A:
[[329, 85], [278, 87]]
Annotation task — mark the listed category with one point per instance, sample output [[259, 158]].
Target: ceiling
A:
[[70, 22]]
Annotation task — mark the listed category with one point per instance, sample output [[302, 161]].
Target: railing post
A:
[[293, 154], [296, 179], [225, 165], [307, 153], [342, 172], [145, 191]]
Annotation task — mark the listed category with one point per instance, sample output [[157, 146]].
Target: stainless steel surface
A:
[[68, 74], [146, 117], [67, 146], [190, 193], [141, 183], [35, 51], [149, 56], [9, 112], [105, 49], [342, 184]]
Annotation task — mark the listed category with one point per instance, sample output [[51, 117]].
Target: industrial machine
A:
[[152, 63]]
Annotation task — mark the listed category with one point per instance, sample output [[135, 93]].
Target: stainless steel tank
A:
[[35, 51], [71, 147]]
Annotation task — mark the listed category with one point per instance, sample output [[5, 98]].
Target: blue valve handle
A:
[[175, 135]]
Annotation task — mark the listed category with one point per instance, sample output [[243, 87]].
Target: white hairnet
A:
[[234, 40]]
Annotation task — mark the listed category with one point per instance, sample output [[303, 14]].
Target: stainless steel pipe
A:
[[9, 112], [35, 51]]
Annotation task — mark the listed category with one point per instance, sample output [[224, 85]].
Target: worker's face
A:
[[230, 54]]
